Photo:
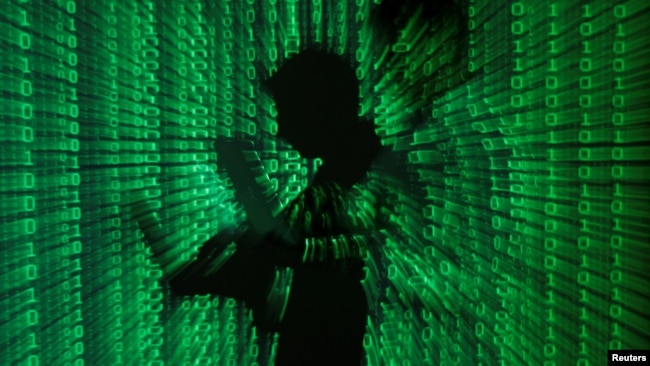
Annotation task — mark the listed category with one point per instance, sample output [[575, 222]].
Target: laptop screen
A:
[[253, 187]]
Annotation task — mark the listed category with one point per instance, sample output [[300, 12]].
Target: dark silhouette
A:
[[316, 95]]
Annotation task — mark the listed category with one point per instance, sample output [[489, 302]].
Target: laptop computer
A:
[[253, 187]]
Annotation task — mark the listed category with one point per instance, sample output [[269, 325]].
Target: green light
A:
[[522, 227]]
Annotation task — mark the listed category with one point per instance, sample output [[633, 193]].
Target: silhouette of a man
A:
[[317, 98]]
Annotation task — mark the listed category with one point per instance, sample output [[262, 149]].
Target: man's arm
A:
[[229, 264], [334, 224]]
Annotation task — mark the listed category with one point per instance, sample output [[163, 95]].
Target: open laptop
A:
[[253, 187]]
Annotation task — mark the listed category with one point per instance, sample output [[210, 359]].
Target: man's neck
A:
[[350, 159]]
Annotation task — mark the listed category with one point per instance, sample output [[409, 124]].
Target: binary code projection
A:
[[523, 126]]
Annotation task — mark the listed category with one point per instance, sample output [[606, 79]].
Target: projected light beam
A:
[[524, 238]]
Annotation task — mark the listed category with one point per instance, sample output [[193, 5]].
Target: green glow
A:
[[524, 237]]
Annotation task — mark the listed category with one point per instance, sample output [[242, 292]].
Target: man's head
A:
[[317, 98]]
